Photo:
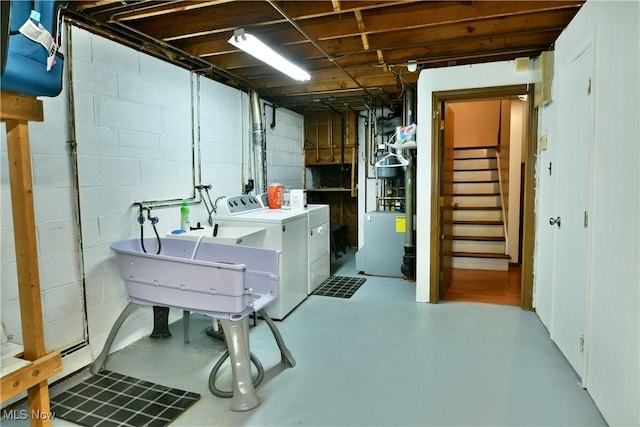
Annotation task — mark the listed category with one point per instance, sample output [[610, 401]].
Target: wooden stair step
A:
[[479, 255], [480, 238], [475, 158], [479, 222], [473, 194], [475, 170], [484, 181], [474, 147], [477, 208]]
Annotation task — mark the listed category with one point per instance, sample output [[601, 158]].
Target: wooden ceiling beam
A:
[[224, 15], [282, 38], [426, 14], [362, 28], [513, 44], [268, 77], [381, 60], [413, 47], [452, 51], [158, 9], [530, 22], [288, 38], [368, 42], [223, 18], [334, 85], [304, 9], [449, 12]]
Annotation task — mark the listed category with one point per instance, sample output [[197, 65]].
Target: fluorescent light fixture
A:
[[256, 48]]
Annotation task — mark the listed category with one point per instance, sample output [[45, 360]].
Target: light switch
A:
[[543, 143]]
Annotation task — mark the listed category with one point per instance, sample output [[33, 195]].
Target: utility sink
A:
[[230, 235]]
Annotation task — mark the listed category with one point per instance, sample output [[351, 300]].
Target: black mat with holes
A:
[[339, 286], [112, 399]]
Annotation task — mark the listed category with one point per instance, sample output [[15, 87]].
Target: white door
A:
[[575, 129]]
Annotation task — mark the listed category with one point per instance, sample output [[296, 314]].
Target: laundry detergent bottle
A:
[[185, 224], [275, 196]]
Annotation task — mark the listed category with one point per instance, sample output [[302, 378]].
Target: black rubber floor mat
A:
[[112, 399], [339, 286]]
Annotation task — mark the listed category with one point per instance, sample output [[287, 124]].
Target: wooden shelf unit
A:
[[16, 112], [331, 159]]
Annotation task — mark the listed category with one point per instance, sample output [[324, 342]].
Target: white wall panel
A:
[[108, 54], [613, 324], [63, 332], [48, 138], [59, 269], [138, 90], [50, 170], [127, 115], [94, 78], [284, 147]]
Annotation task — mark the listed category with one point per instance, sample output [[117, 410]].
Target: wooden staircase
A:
[[478, 225]]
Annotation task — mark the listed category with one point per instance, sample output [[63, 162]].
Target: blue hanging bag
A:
[[31, 63]]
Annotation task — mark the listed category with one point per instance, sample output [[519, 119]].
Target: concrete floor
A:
[[378, 359]]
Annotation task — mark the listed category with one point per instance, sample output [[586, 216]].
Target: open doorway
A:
[[484, 178]]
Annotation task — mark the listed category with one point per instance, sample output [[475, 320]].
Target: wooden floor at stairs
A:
[[493, 287]]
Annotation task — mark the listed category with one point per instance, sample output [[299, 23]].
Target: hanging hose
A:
[[154, 220], [141, 222], [227, 394]]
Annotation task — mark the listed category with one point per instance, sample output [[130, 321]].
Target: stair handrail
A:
[[505, 219]]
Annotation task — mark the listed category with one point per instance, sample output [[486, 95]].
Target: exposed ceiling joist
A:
[[352, 48]]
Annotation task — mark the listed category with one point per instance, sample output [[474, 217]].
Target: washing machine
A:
[[319, 245], [287, 231]]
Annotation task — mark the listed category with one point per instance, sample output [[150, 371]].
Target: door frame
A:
[[530, 148]]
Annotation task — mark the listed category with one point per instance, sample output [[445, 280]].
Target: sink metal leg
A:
[[186, 317], [237, 337], [285, 354], [160, 322], [98, 364]]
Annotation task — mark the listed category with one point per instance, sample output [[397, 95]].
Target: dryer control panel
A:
[[236, 205]]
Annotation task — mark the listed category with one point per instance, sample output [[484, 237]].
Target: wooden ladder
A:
[[16, 111]]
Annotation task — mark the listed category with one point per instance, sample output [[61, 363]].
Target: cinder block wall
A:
[[136, 118]]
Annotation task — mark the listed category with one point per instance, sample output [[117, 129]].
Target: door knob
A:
[[555, 221]]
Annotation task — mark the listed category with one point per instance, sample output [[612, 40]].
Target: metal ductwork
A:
[[409, 259], [258, 133]]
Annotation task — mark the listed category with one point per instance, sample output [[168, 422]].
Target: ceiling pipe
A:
[[317, 46]]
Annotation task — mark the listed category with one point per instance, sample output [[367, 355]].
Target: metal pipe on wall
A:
[[73, 152], [409, 259], [259, 143]]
